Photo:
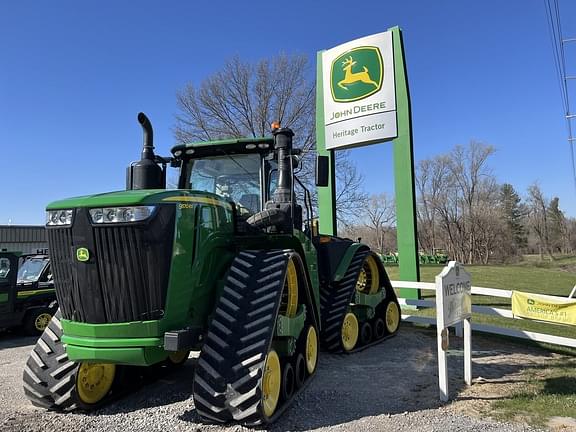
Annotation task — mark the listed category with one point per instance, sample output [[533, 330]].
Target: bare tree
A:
[[242, 100], [458, 204], [538, 218], [380, 215], [432, 181]]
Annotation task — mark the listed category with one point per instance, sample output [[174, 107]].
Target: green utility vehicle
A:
[[228, 264], [27, 296]]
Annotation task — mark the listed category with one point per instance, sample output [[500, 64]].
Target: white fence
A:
[[493, 292]]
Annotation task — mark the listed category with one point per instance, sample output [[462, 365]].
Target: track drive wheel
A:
[[311, 350], [349, 332], [271, 383], [379, 328], [177, 358], [392, 316], [366, 333], [94, 381], [369, 278]]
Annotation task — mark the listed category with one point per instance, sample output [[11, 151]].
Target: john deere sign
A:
[[362, 98], [356, 74], [359, 98]]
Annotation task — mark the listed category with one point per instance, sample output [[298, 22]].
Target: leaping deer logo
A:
[[352, 77]]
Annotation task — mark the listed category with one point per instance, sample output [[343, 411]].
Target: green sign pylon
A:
[[403, 171]]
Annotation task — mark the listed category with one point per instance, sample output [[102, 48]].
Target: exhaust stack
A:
[[146, 173]]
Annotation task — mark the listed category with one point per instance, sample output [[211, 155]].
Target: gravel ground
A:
[[388, 387]]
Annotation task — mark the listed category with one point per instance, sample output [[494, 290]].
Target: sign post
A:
[[362, 99], [453, 305]]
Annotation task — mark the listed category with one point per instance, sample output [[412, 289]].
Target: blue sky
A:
[[73, 76]]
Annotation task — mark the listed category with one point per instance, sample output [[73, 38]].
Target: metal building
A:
[[23, 238]]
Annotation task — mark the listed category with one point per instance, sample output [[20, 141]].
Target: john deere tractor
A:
[[225, 264]]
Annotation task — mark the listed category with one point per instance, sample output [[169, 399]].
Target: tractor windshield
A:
[[235, 177], [31, 270]]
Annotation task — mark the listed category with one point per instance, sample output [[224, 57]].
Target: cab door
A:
[[8, 277]]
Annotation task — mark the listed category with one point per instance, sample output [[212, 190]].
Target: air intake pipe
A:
[[146, 173]]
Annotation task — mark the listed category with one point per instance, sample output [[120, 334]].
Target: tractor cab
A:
[[256, 175], [238, 170]]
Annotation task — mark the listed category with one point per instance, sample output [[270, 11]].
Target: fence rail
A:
[[485, 310]]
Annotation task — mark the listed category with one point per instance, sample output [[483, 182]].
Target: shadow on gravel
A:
[[150, 388], [397, 376], [15, 340]]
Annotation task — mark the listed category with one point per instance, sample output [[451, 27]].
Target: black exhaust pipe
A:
[[146, 173], [148, 145]]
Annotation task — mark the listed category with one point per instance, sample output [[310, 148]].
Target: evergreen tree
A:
[[514, 213], [557, 230]]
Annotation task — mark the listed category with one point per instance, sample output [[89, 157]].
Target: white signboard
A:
[[453, 296], [453, 305], [359, 92]]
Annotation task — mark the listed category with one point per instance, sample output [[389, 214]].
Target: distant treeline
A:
[[464, 210]]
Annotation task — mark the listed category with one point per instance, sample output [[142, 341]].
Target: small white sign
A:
[[453, 305], [359, 92], [453, 296]]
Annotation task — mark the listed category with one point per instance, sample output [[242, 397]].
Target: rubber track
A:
[[229, 370], [335, 299], [49, 376]]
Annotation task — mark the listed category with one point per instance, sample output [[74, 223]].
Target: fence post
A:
[[467, 351]]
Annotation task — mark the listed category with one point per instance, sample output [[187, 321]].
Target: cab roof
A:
[[234, 145]]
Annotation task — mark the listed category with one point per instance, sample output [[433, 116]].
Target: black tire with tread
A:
[[335, 300], [229, 370], [49, 376], [228, 377]]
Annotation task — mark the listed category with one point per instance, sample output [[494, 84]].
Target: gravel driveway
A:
[[388, 387]]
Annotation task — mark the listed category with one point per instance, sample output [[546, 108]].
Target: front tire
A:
[[53, 381]]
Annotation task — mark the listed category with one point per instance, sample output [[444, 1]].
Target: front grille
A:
[[126, 277]]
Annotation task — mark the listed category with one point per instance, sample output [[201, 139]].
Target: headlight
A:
[[121, 214], [59, 217]]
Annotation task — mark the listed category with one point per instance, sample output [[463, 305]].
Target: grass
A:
[[548, 393], [552, 279]]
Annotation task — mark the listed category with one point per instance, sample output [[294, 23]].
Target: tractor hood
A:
[[139, 197]]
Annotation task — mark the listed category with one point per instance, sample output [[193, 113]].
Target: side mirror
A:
[[322, 170]]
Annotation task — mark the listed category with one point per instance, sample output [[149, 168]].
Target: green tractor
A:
[[27, 297], [225, 264]]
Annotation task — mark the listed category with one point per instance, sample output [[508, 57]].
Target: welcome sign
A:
[[359, 92]]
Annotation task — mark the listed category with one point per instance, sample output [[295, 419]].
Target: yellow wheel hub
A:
[[392, 317], [271, 383], [289, 305], [369, 277], [349, 331], [42, 321], [94, 381], [178, 357], [311, 350]]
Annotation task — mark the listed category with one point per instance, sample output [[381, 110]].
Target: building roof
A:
[[22, 233]]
